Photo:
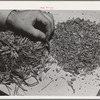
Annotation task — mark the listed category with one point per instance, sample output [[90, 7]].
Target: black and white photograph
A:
[[49, 53]]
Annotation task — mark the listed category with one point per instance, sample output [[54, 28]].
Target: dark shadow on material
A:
[[3, 93]]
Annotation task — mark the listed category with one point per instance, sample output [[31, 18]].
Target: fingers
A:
[[50, 18], [47, 23], [36, 33], [52, 21], [53, 24], [47, 20]]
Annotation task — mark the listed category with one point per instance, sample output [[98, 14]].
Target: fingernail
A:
[[43, 36]]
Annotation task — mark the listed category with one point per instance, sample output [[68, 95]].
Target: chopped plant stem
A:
[[47, 85], [8, 89], [15, 90], [70, 84]]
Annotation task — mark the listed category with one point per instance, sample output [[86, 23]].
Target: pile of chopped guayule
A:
[[20, 59], [76, 45]]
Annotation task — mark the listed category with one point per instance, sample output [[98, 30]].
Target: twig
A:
[[15, 90], [3, 42], [47, 85], [8, 88], [71, 86]]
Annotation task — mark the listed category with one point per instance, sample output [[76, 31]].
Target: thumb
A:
[[36, 33]]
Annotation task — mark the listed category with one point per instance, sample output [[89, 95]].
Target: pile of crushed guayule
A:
[[75, 45]]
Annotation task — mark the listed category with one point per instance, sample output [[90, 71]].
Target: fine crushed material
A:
[[76, 45]]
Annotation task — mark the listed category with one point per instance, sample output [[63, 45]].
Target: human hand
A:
[[26, 22]]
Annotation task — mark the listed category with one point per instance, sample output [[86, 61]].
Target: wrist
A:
[[10, 17], [3, 16]]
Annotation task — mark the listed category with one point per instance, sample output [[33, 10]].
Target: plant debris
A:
[[76, 45], [20, 59]]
